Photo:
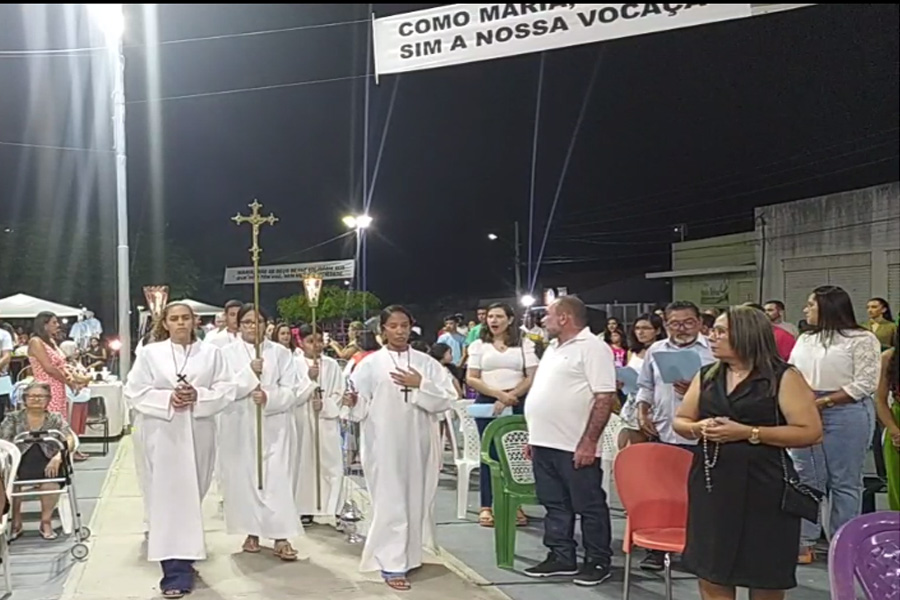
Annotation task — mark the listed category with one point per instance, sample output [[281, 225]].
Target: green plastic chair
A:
[[512, 479]]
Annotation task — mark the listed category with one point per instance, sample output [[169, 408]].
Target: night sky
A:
[[693, 126]]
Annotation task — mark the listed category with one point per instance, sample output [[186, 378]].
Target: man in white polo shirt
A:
[[568, 407]]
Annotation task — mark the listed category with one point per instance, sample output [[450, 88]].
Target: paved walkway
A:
[[117, 569]]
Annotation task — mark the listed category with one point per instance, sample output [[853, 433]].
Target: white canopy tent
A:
[[201, 309], [23, 306]]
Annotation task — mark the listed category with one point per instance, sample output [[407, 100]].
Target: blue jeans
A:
[[177, 575], [484, 472], [836, 465]]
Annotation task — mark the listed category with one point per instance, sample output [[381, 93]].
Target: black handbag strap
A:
[[812, 455]]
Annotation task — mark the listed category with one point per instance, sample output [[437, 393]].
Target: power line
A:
[[668, 194], [87, 51], [52, 147], [258, 88]]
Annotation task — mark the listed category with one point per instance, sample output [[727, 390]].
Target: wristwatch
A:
[[754, 436], [827, 401]]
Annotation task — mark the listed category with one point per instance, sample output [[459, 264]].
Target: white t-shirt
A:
[[562, 395], [6, 345], [502, 370]]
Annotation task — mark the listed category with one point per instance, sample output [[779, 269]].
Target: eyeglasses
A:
[[687, 324]]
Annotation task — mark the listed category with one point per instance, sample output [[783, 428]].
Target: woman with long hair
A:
[[889, 415], [283, 334], [617, 342], [746, 409], [646, 330], [176, 387], [841, 361], [501, 368], [48, 364]]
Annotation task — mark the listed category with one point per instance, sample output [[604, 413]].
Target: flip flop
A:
[[16, 534], [486, 518], [48, 536]]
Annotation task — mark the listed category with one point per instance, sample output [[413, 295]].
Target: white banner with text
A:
[[464, 33], [330, 269]]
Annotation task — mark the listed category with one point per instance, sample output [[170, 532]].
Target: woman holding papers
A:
[[501, 367], [646, 329]]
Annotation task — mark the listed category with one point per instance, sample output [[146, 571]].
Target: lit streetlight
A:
[[111, 20], [493, 237], [527, 300], [357, 222], [517, 257]]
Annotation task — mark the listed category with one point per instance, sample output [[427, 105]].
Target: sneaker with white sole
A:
[[551, 567]]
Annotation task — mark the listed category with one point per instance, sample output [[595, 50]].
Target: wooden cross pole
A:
[[256, 220]]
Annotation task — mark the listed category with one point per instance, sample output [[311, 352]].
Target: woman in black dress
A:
[[745, 409]]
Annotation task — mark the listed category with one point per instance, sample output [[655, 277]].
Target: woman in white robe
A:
[[400, 395], [273, 382], [176, 388], [327, 377]]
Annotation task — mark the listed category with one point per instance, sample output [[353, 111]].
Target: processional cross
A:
[[256, 220]]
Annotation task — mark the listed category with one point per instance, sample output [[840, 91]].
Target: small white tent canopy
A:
[[23, 306]]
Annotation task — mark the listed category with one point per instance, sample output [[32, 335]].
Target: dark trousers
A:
[[484, 473], [177, 575], [4, 406], [565, 491]]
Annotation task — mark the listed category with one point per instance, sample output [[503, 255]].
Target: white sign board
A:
[[463, 33], [331, 269]]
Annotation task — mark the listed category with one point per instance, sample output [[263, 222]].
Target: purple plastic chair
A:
[[868, 549]]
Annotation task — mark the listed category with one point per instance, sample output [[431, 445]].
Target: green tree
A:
[[334, 303]]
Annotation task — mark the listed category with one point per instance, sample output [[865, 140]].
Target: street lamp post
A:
[[358, 223], [111, 20], [517, 265]]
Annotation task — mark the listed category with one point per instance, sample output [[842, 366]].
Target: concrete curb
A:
[[453, 564], [77, 572]]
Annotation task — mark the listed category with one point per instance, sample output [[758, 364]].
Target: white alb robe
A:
[[177, 447], [269, 513], [332, 382], [400, 455], [222, 338]]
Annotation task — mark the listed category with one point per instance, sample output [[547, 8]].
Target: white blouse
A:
[[851, 362], [502, 370]]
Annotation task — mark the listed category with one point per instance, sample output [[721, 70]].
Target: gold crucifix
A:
[[256, 220]]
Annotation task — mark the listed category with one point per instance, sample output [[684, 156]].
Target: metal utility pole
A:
[[518, 262]]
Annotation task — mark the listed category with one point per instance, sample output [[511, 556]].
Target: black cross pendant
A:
[[406, 390]]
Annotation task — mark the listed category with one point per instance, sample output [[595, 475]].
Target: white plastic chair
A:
[[609, 447], [10, 457], [467, 458]]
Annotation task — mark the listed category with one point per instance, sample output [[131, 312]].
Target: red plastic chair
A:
[[652, 480]]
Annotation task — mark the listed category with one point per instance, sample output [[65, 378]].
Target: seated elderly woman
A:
[[41, 456]]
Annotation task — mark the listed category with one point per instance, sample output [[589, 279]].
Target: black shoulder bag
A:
[[798, 499]]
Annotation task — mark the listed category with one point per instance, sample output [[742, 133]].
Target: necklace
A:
[[709, 463], [405, 389], [179, 373]]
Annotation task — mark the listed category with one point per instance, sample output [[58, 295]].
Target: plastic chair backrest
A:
[[10, 457], [509, 436], [866, 548], [651, 480], [471, 446], [609, 441]]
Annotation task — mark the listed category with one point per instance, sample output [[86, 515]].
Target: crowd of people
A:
[[775, 424]]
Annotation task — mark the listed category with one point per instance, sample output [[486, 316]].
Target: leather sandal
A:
[[521, 518], [398, 582], [250, 546], [285, 552], [486, 517]]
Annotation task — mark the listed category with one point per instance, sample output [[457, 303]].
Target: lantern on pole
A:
[[312, 285]]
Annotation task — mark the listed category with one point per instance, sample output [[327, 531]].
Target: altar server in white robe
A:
[[231, 333], [400, 394], [325, 403], [176, 388], [275, 383]]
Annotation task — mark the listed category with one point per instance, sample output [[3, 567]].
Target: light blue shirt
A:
[[661, 396], [457, 342]]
